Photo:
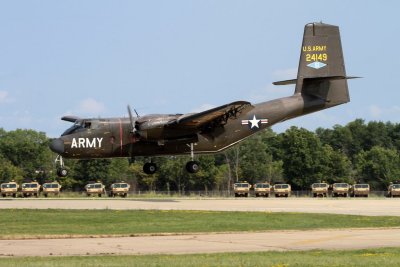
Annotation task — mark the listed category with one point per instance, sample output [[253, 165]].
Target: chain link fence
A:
[[209, 194]]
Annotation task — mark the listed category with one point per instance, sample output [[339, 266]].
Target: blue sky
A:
[[93, 58]]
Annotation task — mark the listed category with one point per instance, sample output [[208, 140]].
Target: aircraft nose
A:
[[57, 145]]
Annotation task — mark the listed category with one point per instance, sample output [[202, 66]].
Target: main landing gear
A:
[[149, 168], [191, 166], [61, 170]]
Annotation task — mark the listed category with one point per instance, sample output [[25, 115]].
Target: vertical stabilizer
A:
[[321, 70]]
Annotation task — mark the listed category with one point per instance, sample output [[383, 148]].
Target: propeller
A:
[[131, 119], [134, 132]]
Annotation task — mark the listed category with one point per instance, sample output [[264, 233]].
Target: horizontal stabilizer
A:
[[286, 82], [294, 81], [332, 78]]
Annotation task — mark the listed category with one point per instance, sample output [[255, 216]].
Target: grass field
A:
[[35, 223], [371, 257], [46, 223]]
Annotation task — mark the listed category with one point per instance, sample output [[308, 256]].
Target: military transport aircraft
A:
[[321, 83]]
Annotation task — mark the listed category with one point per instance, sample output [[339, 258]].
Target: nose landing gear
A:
[[61, 170]]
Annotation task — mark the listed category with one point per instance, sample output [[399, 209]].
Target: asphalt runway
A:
[[210, 243], [355, 206]]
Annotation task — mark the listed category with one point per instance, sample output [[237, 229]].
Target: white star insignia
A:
[[254, 123]]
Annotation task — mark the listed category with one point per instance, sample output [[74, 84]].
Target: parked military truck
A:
[[360, 190], [340, 189], [95, 189], [394, 190], [319, 189], [52, 188], [241, 189], [30, 189], [282, 190], [262, 189], [9, 189], [119, 189]]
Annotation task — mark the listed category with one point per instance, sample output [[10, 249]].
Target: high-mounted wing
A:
[[210, 118], [181, 128]]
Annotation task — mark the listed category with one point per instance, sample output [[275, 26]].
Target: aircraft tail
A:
[[321, 71]]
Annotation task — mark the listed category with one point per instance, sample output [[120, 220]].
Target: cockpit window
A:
[[81, 125], [74, 128]]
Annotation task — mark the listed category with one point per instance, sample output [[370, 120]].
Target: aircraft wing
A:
[[210, 118]]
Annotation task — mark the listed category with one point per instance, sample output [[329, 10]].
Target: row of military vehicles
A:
[[53, 188], [116, 189], [242, 189], [29, 189]]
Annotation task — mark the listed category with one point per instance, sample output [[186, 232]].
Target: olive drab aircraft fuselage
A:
[[321, 83]]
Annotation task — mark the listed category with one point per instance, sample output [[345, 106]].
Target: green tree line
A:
[[356, 152]]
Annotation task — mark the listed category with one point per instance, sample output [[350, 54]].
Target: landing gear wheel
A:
[[149, 168], [61, 172], [193, 166]]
